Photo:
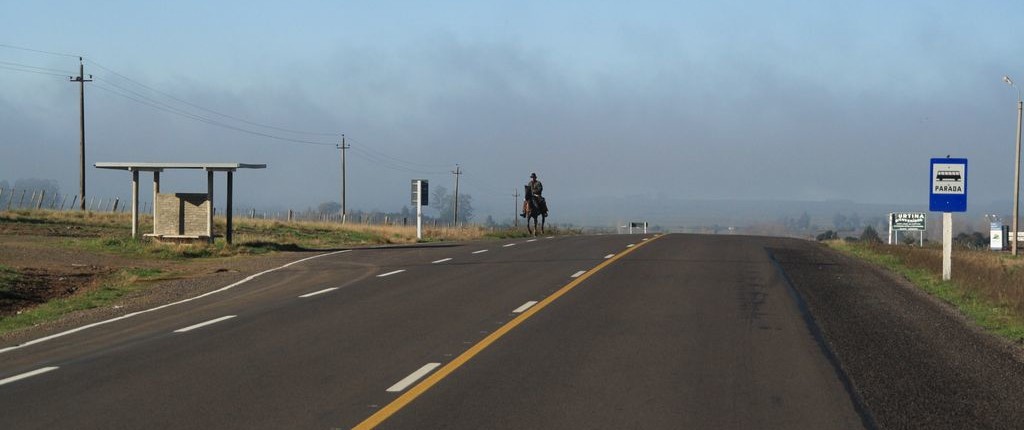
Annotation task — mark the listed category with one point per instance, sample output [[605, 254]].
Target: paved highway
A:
[[624, 331]]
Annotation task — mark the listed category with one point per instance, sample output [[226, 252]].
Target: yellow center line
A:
[[414, 392]]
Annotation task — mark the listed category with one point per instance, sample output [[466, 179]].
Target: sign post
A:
[[420, 198], [948, 194], [907, 221]]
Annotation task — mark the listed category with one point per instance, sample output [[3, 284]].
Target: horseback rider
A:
[[535, 196]]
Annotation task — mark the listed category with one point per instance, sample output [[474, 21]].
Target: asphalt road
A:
[[622, 331]]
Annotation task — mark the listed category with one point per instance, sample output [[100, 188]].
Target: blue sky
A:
[[796, 100]]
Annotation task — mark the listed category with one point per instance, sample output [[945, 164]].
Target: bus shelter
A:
[[181, 215]]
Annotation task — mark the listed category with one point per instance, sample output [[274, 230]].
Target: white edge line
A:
[[578, 274], [441, 260], [609, 256], [480, 251], [27, 375], [411, 379], [550, 237], [394, 272], [204, 324], [325, 290], [532, 240], [524, 307], [630, 245], [126, 316]]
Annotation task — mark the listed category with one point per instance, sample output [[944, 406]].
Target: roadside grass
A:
[[111, 233], [986, 287], [7, 278], [110, 290]]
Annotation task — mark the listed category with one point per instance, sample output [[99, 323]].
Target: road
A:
[[618, 331]]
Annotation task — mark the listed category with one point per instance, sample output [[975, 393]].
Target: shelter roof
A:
[[156, 167]]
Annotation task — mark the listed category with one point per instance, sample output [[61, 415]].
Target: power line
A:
[[46, 69], [22, 48], [179, 100], [156, 104], [32, 71]]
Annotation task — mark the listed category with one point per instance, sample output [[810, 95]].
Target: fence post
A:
[[73, 201], [1, 195], [62, 201], [42, 195], [289, 215], [21, 202]]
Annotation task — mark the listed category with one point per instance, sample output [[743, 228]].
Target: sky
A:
[[675, 100]]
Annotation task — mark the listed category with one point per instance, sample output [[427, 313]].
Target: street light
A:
[[1016, 166]]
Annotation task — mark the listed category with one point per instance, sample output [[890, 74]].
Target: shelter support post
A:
[[228, 209], [156, 190], [135, 204], [209, 211]]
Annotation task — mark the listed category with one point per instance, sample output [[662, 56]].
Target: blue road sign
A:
[[948, 185]]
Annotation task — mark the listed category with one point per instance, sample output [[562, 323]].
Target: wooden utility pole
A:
[[81, 123], [455, 216], [343, 147], [516, 208]]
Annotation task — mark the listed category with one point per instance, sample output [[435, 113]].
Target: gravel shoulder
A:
[[914, 361]]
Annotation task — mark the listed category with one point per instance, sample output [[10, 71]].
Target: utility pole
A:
[[81, 145], [455, 216], [343, 147], [515, 209]]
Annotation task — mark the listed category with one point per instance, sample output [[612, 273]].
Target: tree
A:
[[445, 204], [870, 235], [840, 223], [828, 235], [804, 222]]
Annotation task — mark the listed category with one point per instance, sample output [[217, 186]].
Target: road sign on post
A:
[[948, 194], [907, 221], [420, 190]]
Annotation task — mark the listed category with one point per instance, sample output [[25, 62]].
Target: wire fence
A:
[[12, 199], [19, 199]]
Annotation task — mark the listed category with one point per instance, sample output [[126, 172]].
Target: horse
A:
[[532, 211]]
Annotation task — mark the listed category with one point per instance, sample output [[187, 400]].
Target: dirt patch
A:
[[34, 286]]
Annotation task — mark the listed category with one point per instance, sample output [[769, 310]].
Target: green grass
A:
[[994, 315], [113, 289], [7, 277]]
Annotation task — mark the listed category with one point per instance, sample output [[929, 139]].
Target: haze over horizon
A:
[[776, 100]]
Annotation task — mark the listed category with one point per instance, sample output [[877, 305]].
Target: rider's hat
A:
[[533, 175]]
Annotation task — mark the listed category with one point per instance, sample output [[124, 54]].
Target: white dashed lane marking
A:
[[524, 307], [441, 260], [27, 375], [480, 251], [325, 290], [508, 245], [394, 272], [204, 324], [578, 274], [609, 256], [411, 379]]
